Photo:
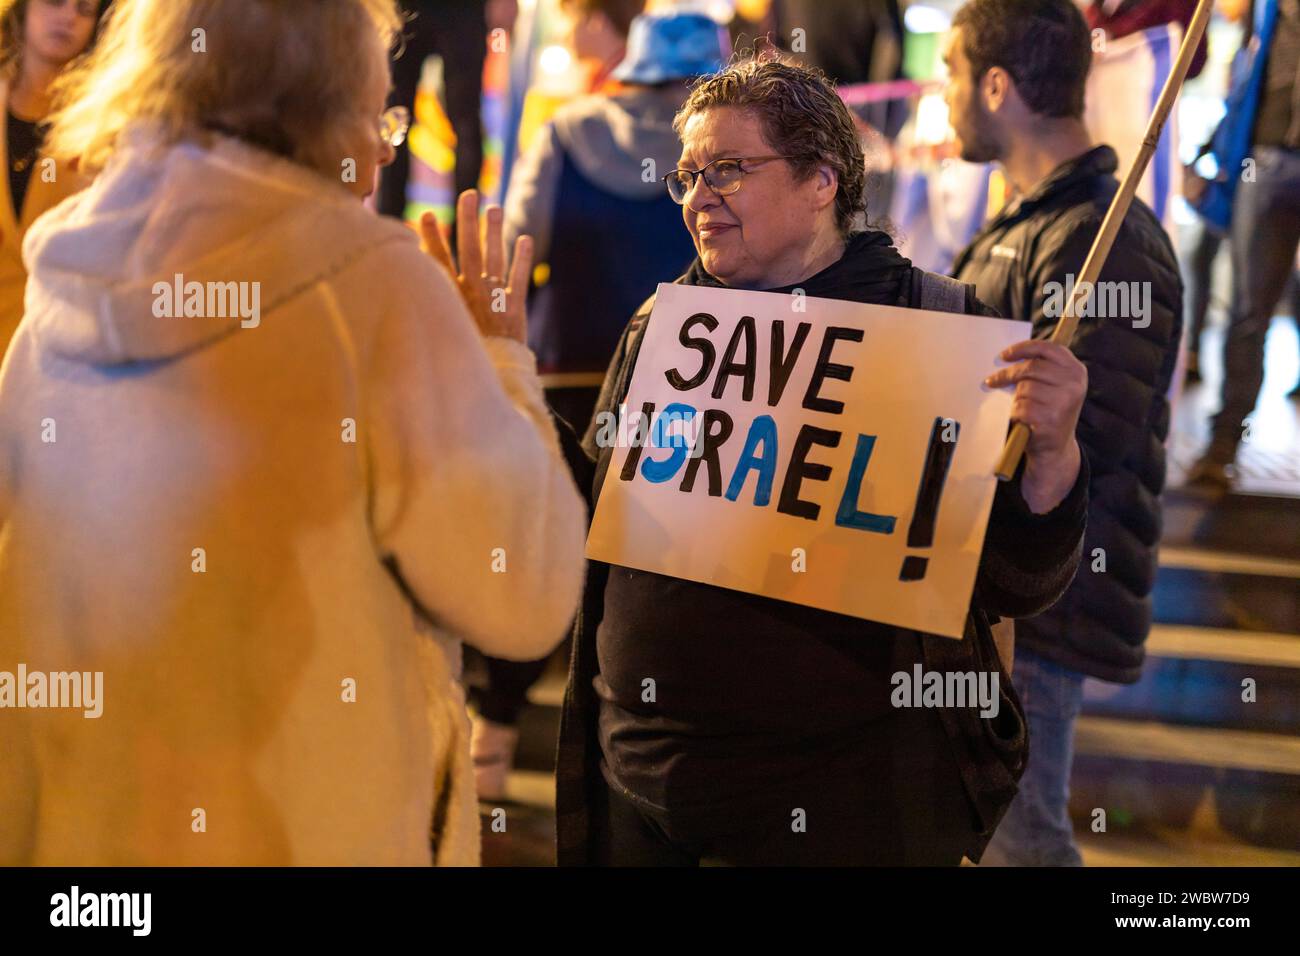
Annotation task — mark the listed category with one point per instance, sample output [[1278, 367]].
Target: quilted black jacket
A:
[[1100, 626]]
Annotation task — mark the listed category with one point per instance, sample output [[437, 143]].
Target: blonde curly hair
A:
[[285, 75]]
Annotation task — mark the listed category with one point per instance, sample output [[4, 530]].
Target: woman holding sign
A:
[[708, 724]]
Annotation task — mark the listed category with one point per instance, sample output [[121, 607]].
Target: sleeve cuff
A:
[[1073, 507], [1030, 539], [510, 353]]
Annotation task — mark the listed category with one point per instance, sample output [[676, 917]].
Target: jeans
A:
[[1036, 830], [1264, 237]]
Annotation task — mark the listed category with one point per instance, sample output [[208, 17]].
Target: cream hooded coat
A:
[[269, 537]]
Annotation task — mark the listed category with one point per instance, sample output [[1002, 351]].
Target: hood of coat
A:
[[175, 246], [610, 138]]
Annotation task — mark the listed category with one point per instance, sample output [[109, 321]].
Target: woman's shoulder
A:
[[387, 264], [936, 292]]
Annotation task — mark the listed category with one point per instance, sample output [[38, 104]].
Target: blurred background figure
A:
[[480, 78], [853, 42], [598, 35], [591, 195], [457, 31], [1120, 18], [589, 192], [1255, 196], [1207, 237], [38, 39], [577, 45], [1134, 45]]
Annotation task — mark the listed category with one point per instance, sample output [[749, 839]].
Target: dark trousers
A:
[[456, 30], [1200, 278], [1199, 269], [899, 802], [575, 405], [839, 828], [1265, 235], [505, 692]]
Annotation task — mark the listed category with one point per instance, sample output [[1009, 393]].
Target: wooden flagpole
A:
[[1064, 332]]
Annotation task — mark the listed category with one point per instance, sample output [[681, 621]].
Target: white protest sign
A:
[[828, 453]]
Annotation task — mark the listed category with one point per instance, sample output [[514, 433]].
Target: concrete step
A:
[[1244, 524], [1192, 580], [1198, 676], [1226, 645], [1248, 601], [1162, 846], [1239, 786], [1207, 747]]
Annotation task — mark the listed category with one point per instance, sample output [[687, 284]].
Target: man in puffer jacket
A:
[[1025, 263]]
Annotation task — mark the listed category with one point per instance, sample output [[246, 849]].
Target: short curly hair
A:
[[802, 118]]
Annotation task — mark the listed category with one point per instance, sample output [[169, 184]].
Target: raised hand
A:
[[495, 297]]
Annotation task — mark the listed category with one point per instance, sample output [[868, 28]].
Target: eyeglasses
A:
[[723, 176], [394, 124]]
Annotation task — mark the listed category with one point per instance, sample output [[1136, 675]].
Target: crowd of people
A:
[[276, 529]]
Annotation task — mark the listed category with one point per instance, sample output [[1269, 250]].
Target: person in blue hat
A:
[[590, 193]]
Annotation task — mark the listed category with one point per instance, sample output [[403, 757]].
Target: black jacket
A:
[[1027, 562], [1101, 625]]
